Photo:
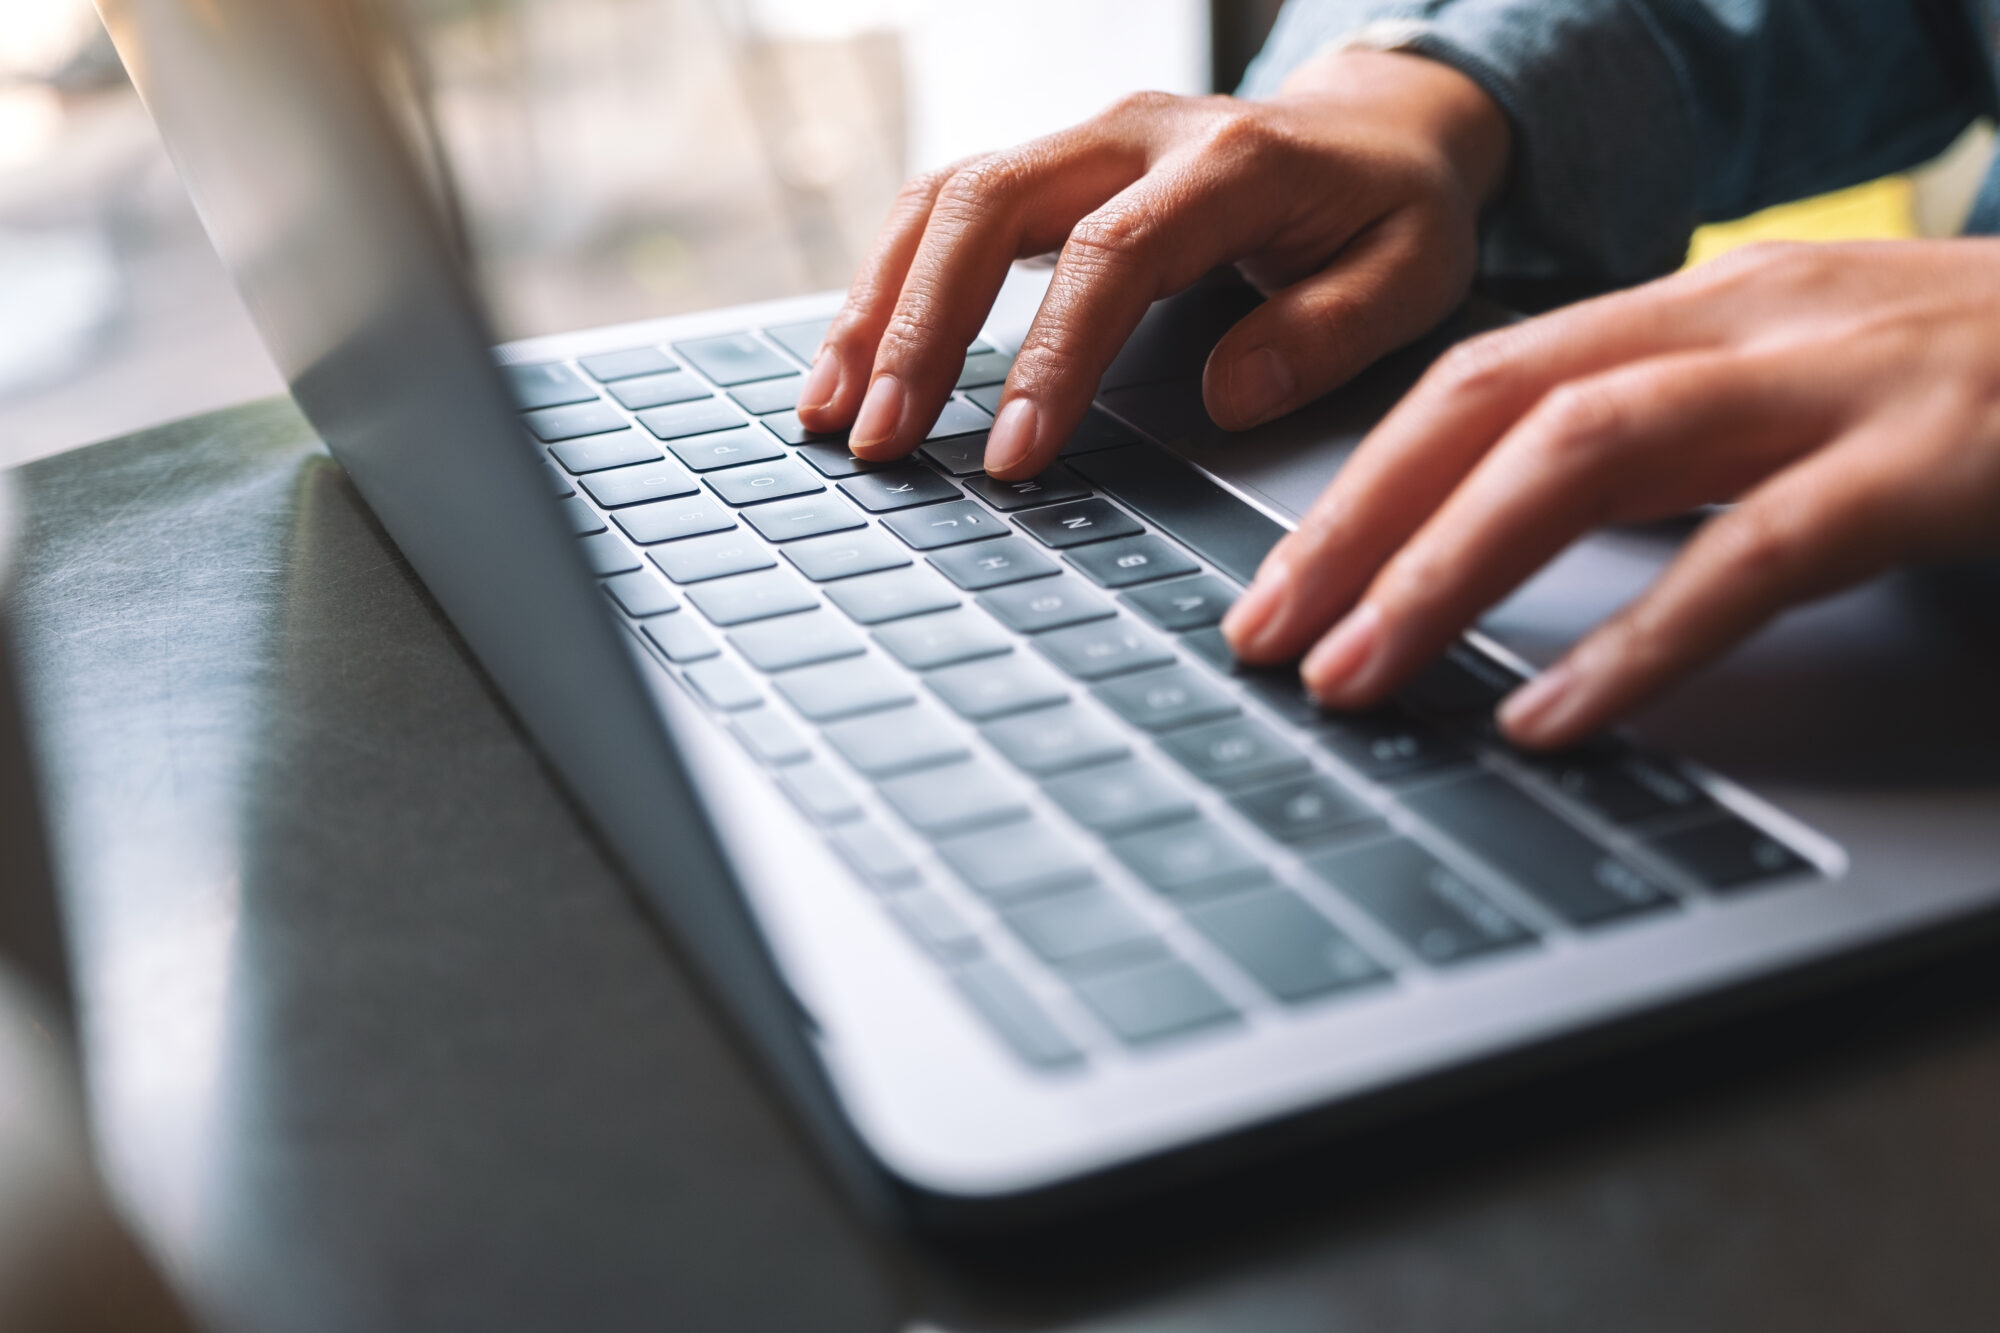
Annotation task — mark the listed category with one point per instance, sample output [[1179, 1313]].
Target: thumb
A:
[[1388, 286]]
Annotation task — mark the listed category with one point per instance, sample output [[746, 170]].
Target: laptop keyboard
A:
[[1009, 708]]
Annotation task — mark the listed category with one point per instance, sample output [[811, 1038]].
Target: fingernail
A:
[[881, 412], [1012, 437], [1532, 712], [1343, 656], [1260, 384], [822, 382], [1248, 623]]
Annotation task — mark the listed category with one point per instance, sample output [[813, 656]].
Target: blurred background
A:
[[617, 159]]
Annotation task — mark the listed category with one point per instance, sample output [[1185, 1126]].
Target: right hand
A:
[[1351, 199]]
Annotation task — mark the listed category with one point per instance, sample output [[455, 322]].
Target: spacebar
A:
[[1185, 505]]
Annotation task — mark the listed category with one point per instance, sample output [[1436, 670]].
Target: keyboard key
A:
[[835, 690], [1083, 929], [802, 340], [959, 635], [1030, 608], [1131, 560], [659, 391], [618, 449], [1168, 493], [959, 798], [1235, 754], [1013, 1013], [680, 638], [641, 594], [981, 691], [1463, 682], [787, 427], [952, 524], [875, 598], [1183, 604], [961, 456], [796, 641], [833, 460], [1624, 786], [1154, 1001], [582, 519], [984, 368], [1730, 854], [1077, 522], [658, 480], [549, 384], [738, 601], [820, 793], [882, 745], [1552, 861], [1291, 950], [697, 418], [959, 417], [673, 520], [897, 488], [936, 924], [769, 738], [880, 860], [1431, 908], [1119, 798], [788, 520], [992, 564], [1388, 744], [557, 481], [987, 396], [724, 685], [1098, 431], [605, 554], [1051, 487], [1106, 648], [567, 423], [728, 448], [734, 358], [1055, 740], [1307, 809], [1193, 859], [759, 483], [714, 557], [606, 367], [776, 395], [1016, 860], [1163, 700]]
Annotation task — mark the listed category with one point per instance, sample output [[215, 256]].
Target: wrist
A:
[[1433, 101]]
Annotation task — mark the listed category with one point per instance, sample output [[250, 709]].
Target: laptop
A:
[[1026, 894]]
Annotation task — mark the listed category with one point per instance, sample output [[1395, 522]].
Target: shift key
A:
[[1557, 864]]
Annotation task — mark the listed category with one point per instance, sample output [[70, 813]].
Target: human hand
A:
[[1848, 397], [1352, 199]]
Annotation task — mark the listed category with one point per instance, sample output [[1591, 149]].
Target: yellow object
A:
[[1880, 210]]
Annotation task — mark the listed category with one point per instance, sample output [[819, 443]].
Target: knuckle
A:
[[1481, 366], [1582, 423], [1142, 105], [975, 187], [1110, 236], [911, 333], [1241, 132]]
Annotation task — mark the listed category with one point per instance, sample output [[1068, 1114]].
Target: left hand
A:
[[1847, 397]]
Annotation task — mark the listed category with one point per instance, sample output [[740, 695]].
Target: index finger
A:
[[1421, 452]]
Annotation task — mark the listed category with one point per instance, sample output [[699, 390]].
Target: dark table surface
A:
[[378, 1040]]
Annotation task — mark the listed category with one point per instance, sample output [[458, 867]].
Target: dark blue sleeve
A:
[[1637, 120]]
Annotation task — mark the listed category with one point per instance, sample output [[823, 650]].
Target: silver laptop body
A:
[[1015, 885]]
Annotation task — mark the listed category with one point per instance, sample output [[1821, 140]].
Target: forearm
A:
[[1635, 120]]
